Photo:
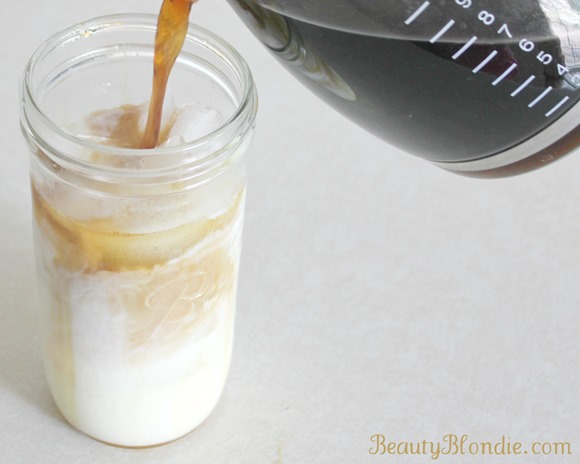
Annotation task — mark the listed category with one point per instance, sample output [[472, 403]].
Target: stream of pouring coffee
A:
[[171, 31]]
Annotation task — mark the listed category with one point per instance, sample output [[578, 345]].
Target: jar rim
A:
[[240, 121]]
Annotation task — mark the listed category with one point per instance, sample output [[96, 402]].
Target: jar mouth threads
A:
[[110, 39]]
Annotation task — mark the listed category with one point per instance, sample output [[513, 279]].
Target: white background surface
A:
[[378, 294]]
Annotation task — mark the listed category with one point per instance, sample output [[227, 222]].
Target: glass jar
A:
[[137, 250]]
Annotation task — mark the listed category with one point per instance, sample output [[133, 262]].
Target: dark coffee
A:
[[435, 80]]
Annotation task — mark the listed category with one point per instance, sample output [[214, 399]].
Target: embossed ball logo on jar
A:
[[183, 302]]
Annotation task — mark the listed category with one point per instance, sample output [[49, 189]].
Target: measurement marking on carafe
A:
[[540, 97], [437, 36], [480, 66], [506, 73], [466, 47], [557, 107], [523, 86], [417, 13]]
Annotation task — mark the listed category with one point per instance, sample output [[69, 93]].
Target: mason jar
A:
[[137, 251]]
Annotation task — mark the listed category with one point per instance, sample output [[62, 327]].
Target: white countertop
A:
[[378, 294]]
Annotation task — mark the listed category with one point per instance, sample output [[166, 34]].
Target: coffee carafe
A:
[[484, 88]]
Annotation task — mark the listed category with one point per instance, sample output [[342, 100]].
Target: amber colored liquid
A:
[[171, 31]]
